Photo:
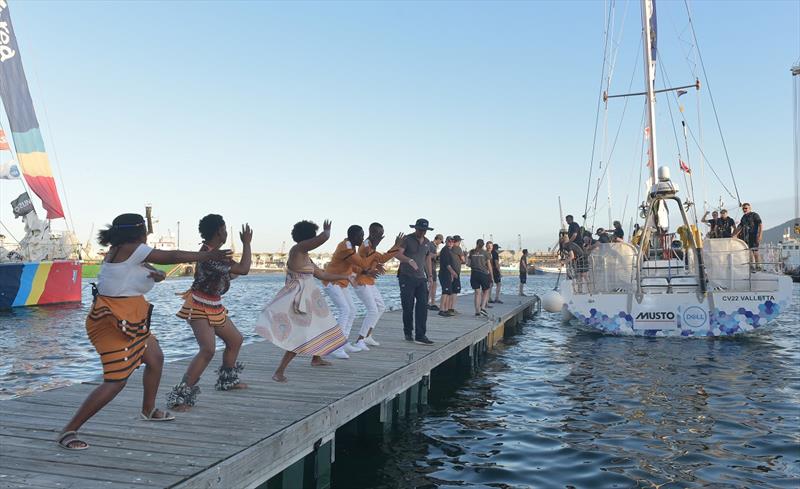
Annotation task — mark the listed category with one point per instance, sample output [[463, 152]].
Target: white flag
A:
[[10, 171]]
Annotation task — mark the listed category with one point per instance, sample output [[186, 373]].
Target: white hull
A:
[[717, 313]]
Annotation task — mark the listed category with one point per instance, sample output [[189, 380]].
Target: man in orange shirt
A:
[[365, 282], [343, 262]]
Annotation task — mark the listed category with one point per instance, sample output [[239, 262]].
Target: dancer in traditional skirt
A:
[[203, 310], [119, 320], [365, 282], [298, 318]]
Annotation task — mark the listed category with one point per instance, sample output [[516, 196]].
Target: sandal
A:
[[69, 437], [166, 416]]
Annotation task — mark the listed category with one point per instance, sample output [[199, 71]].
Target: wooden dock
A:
[[269, 435]]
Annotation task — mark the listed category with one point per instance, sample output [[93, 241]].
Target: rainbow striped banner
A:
[[22, 119]]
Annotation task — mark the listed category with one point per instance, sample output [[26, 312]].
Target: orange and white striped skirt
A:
[[119, 328], [197, 305]]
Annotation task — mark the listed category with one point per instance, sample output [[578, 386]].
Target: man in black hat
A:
[[415, 268]]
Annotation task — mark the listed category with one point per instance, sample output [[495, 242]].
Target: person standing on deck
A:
[[447, 274], [497, 277], [118, 324], [726, 226], [489, 248], [415, 268], [480, 277], [298, 319], [523, 272], [750, 231], [619, 234], [573, 230], [343, 262], [208, 318], [437, 240], [365, 287], [712, 224], [459, 259]]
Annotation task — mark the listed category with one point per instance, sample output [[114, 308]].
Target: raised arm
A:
[[318, 240], [243, 267], [391, 253]]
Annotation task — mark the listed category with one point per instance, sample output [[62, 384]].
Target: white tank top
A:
[[127, 278]]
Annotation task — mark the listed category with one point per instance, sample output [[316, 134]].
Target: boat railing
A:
[[744, 270], [611, 269]]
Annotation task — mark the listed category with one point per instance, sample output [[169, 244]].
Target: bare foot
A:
[[181, 408], [280, 378], [320, 362], [240, 385]]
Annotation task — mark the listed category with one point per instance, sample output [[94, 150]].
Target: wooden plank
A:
[[238, 438]]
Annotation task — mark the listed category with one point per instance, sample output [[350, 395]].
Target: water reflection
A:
[[565, 408]]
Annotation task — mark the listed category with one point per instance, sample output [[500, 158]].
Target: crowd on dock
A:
[[297, 319]]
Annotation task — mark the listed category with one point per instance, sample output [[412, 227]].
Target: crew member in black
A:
[[415, 268], [750, 231], [726, 226], [712, 223], [573, 230], [619, 234]]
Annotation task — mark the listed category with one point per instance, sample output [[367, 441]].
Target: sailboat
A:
[[40, 271], [711, 287]]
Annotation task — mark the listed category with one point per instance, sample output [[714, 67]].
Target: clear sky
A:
[[476, 115]]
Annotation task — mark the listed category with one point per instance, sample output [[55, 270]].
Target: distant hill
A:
[[775, 235]]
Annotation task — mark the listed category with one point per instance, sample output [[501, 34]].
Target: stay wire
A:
[[616, 136], [597, 119], [713, 104]]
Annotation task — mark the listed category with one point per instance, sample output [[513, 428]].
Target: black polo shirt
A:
[[412, 248]]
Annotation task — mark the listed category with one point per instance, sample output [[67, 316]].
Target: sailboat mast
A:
[[649, 38], [796, 79]]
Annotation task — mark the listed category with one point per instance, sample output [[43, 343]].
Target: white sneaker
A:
[[371, 342], [362, 345], [351, 348], [340, 354]]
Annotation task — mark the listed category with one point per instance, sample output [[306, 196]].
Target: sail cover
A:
[[22, 119]]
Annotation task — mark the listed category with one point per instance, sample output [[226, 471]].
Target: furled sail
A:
[[25, 131]]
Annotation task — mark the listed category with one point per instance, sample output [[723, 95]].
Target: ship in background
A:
[[43, 267]]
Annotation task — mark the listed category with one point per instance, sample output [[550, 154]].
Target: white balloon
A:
[[552, 301]]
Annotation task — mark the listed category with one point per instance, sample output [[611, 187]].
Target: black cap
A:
[[496, 246], [421, 224], [457, 238]]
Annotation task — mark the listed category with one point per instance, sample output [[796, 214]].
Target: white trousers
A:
[[373, 301], [345, 312]]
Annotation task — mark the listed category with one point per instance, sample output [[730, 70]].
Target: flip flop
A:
[[149, 417], [71, 437]]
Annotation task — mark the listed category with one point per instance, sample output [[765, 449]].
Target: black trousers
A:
[[414, 299]]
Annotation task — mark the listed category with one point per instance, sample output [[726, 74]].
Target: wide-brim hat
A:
[[421, 224], [457, 238]]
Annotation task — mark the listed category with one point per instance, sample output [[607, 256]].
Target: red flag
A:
[[685, 167], [4, 141]]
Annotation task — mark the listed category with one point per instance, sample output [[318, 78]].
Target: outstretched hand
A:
[[399, 239], [246, 234], [326, 226]]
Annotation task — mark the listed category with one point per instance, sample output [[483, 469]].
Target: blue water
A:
[[554, 407]]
